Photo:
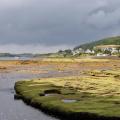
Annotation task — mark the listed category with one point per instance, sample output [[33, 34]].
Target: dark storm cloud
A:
[[57, 22]]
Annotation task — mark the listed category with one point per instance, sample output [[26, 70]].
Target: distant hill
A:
[[16, 55], [106, 41], [6, 55]]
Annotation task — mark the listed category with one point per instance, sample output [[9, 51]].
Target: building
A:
[[111, 48], [88, 51], [77, 51]]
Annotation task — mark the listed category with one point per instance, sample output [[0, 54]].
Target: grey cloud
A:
[[55, 22], [15, 48], [104, 17]]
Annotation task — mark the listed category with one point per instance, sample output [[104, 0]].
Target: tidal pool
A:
[[68, 101]]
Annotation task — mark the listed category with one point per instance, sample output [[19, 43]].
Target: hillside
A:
[[106, 41]]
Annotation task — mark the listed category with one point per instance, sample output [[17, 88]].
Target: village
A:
[[101, 50]]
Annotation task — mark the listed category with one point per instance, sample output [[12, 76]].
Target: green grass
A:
[[96, 97], [106, 41]]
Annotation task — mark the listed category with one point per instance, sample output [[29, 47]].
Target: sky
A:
[[42, 26]]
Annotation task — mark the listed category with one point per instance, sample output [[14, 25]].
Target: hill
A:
[[106, 41]]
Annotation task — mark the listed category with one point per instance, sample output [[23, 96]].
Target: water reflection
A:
[[16, 110]]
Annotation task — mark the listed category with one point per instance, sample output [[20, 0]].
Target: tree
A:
[[98, 51], [60, 51], [118, 49], [107, 52], [68, 51]]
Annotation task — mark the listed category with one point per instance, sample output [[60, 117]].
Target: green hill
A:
[[106, 41]]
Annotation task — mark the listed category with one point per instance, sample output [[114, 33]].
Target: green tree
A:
[[98, 51], [68, 52], [107, 52], [60, 51], [118, 49]]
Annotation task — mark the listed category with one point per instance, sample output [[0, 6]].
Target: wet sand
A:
[[62, 66]]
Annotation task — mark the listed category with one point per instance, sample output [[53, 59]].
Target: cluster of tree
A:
[[65, 53]]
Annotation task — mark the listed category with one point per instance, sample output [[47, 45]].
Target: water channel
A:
[[11, 109]]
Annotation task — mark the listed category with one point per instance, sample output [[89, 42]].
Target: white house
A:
[[111, 48], [77, 51], [88, 51]]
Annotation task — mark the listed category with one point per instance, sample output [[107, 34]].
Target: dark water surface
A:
[[11, 109]]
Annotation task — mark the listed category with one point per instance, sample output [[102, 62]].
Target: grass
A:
[[97, 97], [74, 60], [105, 41]]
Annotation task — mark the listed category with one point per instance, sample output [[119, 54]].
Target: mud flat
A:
[[62, 65]]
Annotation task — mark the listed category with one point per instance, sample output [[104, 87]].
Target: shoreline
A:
[[62, 115]]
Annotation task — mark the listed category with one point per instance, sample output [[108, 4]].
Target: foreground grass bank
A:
[[94, 97]]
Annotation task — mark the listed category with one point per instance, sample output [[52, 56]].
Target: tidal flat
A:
[[86, 89]]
